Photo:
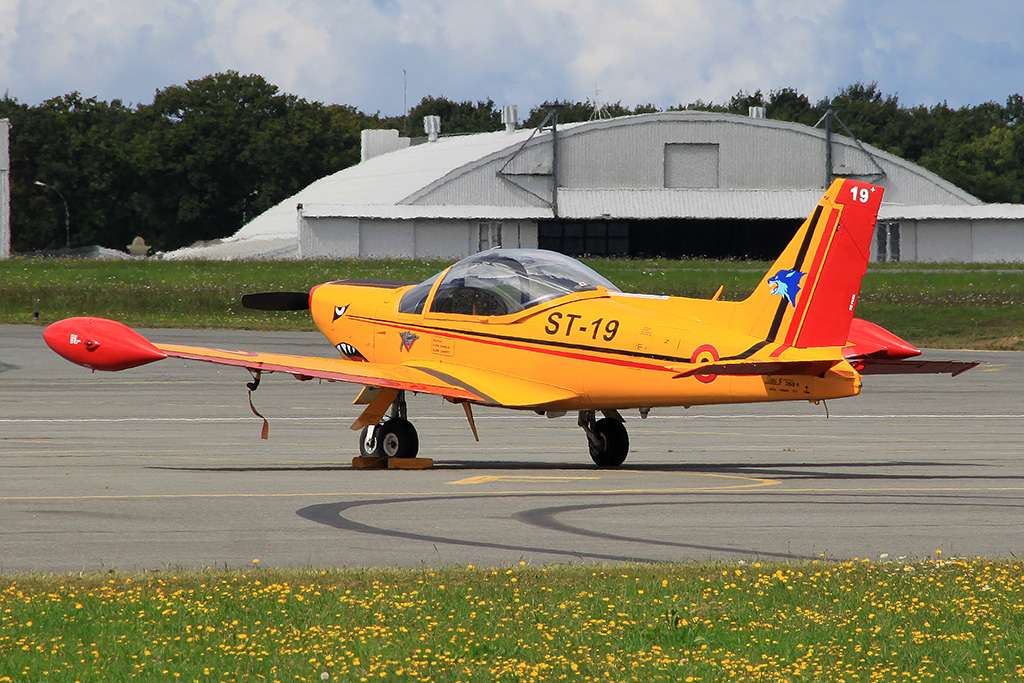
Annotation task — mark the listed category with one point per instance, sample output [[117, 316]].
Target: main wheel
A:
[[396, 438], [612, 443]]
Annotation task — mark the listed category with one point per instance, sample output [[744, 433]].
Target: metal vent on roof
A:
[[432, 127], [757, 112], [510, 117]]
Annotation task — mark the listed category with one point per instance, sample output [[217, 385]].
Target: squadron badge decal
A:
[[408, 339], [786, 283]]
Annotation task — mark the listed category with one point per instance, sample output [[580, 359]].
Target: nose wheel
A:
[[608, 439], [394, 438]]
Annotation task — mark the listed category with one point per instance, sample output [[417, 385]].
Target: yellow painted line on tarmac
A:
[[487, 479], [897, 489], [757, 486], [752, 482]]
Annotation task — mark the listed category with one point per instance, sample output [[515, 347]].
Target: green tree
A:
[[74, 146], [786, 104], [228, 146], [574, 112], [456, 117]]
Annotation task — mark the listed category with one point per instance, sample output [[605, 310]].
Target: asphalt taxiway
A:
[[163, 467]]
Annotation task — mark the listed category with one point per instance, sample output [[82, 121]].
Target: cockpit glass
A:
[[413, 300], [502, 281]]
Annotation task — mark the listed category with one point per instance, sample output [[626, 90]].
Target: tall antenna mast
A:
[[600, 110]]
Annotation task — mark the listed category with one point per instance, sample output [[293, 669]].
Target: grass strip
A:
[[940, 306], [852, 621]]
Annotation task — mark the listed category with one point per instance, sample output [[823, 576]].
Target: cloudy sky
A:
[[521, 52]]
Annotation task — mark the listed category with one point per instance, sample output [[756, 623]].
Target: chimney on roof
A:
[[432, 127], [510, 117], [375, 142]]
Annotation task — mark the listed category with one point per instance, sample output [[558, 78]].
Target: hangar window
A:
[[598, 238], [490, 235], [887, 241], [669, 237]]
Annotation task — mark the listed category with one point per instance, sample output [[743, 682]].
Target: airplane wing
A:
[[449, 380], [101, 344], [497, 388], [334, 369]]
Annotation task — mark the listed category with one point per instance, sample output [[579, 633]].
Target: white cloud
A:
[[515, 51]]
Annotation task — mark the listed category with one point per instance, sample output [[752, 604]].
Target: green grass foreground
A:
[[939, 306], [937, 620]]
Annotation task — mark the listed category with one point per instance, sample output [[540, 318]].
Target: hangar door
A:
[[761, 240]]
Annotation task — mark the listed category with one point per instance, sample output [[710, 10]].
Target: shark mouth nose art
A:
[[350, 352]]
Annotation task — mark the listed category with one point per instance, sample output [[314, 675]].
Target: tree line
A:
[[205, 157]]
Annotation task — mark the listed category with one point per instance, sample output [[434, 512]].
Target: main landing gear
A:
[[393, 438], [609, 441]]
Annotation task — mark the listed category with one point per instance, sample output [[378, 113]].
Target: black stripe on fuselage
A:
[[524, 340], [383, 284]]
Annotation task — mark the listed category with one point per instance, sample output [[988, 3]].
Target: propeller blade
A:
[[276, 301]]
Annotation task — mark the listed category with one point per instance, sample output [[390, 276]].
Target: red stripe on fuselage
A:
[[526, 345]]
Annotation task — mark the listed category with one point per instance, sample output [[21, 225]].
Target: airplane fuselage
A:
[[606, 350]]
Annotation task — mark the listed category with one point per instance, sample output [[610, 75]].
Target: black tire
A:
[[612, 443], [397, 438]]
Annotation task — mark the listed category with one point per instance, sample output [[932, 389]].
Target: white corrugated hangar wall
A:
[[672, 183]]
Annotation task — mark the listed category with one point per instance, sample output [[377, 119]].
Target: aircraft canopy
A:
[[502, 281]]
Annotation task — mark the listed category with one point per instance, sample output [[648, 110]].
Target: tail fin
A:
[[808, 296]]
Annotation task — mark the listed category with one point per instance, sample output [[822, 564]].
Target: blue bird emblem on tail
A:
[[786, 283]]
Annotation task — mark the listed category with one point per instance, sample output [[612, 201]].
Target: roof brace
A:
[[509, 177], [830, 174]]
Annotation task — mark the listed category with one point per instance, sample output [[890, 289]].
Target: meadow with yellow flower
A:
[[937, 620]]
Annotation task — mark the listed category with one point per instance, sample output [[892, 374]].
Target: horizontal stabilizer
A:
[[889, 366], [814, 368]]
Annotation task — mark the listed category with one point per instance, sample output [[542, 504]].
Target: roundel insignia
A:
[[705, 353]]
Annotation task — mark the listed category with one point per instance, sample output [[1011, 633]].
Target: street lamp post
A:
[[67, 214]]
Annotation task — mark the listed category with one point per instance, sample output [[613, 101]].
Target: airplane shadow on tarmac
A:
[[336, 515], [845, 470]]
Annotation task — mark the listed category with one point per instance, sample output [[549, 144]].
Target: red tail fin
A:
[[808, 296]]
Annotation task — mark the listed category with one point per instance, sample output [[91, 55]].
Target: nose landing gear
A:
[[393, 443], [394, 438]]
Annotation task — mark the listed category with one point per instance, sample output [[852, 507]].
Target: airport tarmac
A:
[[162, 467]]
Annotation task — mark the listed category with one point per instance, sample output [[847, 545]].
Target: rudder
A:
[[807, 298]]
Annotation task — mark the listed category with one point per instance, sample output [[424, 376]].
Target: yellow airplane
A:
[[535, 330]]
